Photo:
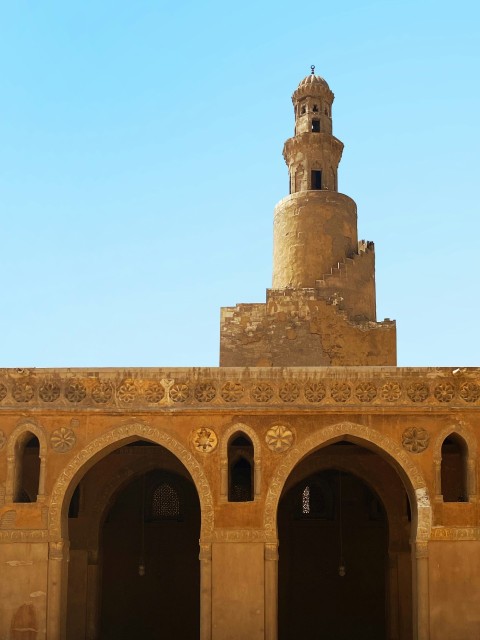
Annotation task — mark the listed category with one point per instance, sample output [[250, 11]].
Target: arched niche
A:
[[415, 487], [18, 475], [237, 430], [468, 446]]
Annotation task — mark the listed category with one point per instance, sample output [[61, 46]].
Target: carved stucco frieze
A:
[[262, 392], [96, 390], [279, 438], [232, 391], [315, 391], [49, 391], [415, 439], [455, 533], [62, 440], [238, 535], [204, 439], [470, 391], [24, 535]]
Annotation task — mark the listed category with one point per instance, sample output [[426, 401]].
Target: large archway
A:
[[91, 487], [343, 525], [405, 469], [134, 528]]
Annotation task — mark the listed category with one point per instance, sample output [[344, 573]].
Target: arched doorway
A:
[[134, 529], [344, 548]]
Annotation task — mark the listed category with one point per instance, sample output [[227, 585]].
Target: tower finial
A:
[[312, 67]]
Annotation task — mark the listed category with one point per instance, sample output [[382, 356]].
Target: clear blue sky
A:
[[140, 161]]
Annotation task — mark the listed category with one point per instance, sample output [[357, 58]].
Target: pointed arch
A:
[[466, 434], [15, 445], [102, 446], [240, 427], [459, 429], [58, 512], [413, 480]]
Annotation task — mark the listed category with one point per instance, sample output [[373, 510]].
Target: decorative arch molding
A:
[[102, 446], [359, 434], [27, 426], [243, 428], [466, 434]]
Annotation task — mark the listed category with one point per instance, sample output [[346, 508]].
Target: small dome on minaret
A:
[[312, 85]]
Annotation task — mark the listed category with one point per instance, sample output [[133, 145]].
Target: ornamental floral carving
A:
[[470, 391], [3, 392], [204, 440], [341, 392], [179, 392], [415, 439], [232, 391], [23, 392], [3, 439], [289, 392], [279, 438], [102, 392], [49, 391], [205, 392], [155, 392], [366, 392], [314, 391], [75, 391], [444, 392], [391, 391], [262, 392], [417, 392], [62, 440], [127, 391]]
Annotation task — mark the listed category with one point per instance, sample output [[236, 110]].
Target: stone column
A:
[[438, 480], [93, 596], [471, 480], [205, 591], [422, 591], [271, 590], [257, 476], [57, 589], [10, 478], [393, 595], [41, 479]]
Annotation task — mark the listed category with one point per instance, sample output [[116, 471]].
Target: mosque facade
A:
[[306, 488]]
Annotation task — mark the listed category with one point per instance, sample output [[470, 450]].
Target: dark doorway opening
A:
[[333, 555], [150, 570]]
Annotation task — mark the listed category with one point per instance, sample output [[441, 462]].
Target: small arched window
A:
[[454, 469], [240, 468], [27, 468], [165, 502]]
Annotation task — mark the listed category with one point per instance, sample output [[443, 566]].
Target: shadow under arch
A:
[[61, 495], [415, 487]]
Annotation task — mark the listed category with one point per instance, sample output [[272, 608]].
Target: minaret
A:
[[321, 309]]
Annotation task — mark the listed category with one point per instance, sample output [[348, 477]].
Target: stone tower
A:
[[321, 309]]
